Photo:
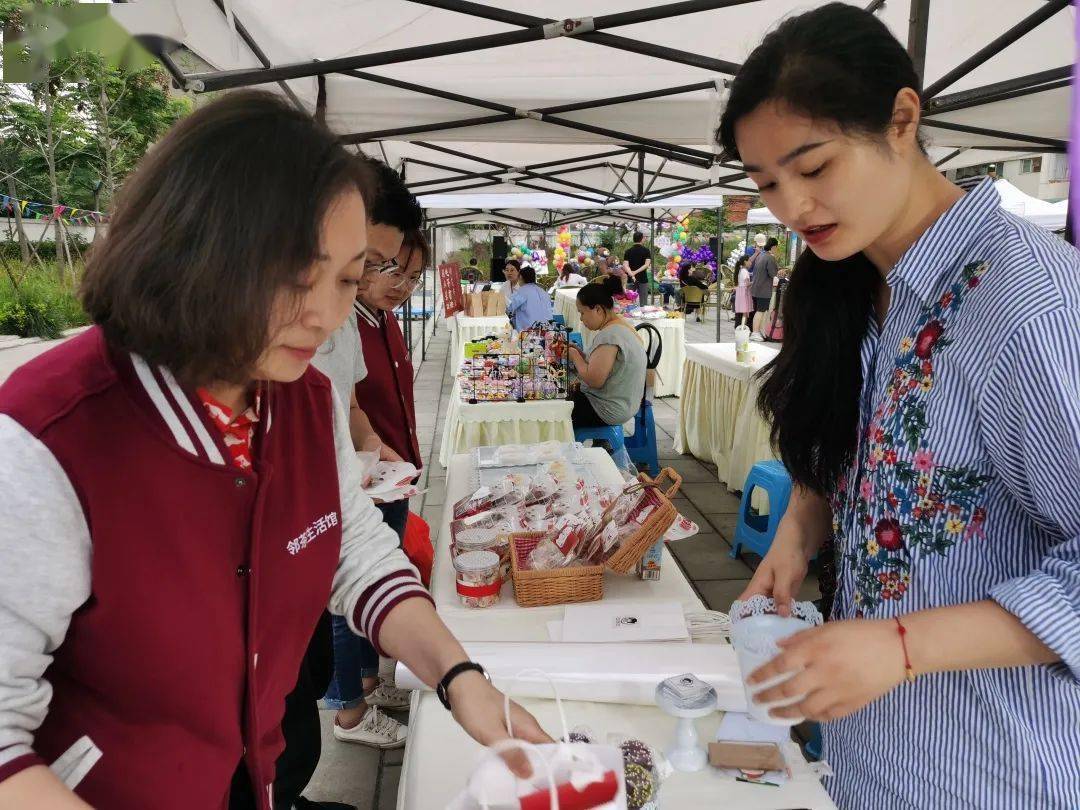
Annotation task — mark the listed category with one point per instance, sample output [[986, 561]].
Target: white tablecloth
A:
[[718, 417], [508, 622], [672, 358], [464, 330], [494, 423], [439, 755], [566, 305]]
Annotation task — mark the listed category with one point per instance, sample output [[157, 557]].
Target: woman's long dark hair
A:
[[838, 64]]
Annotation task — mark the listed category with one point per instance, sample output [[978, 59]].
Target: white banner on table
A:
[[613, 673]]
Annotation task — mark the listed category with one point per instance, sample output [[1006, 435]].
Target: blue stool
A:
[[612, 434], [756, 532], [575, 338], [641, 447], [813, 745], [559, 319]]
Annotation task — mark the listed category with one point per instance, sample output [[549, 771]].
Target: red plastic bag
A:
[[418, 546]]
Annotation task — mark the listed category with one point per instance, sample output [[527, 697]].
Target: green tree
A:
[[80, 131], [128, 111]]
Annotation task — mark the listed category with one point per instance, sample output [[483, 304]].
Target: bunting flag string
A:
[[50, 212]]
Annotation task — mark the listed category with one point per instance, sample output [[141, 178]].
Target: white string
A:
[[554, 689]]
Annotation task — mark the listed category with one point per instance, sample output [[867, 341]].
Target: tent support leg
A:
[[652, 248], [719, 264]]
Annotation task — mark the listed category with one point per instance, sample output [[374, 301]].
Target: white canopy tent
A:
[[463, 96], [761, 216], [1047, 215]]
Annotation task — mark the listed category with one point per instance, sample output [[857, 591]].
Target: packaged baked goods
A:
[[600, 542], [542, 489], [478, 578], [506, 491], [546, 556]]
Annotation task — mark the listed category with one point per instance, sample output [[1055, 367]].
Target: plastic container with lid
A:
[[476, 541], [478, 578]]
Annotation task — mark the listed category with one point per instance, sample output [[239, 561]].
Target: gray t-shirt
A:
[[341, 359], [618, 399], [765, 270]]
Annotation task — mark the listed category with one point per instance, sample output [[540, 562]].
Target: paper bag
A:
[[474, 305], [494, 303]]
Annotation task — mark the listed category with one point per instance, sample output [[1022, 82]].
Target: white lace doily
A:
[[761, 605]]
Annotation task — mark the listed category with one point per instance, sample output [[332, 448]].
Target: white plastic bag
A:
[[566, 776]]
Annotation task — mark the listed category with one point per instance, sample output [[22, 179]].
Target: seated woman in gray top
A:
[[613, 372]]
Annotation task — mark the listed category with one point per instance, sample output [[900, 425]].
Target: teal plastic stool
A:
[[612, 434], [756, 532], [641, 447], [558, 319]]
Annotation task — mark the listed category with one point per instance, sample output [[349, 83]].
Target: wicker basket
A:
[[560, 586], [563, 586], [632, 550]]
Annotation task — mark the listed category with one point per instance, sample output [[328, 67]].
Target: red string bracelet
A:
[[909, 673]]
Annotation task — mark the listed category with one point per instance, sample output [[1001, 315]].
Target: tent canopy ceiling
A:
[[545, 209], [475, 101]]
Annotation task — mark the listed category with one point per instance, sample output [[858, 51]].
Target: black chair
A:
[[654, 346]]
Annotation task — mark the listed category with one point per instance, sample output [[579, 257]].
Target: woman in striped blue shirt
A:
[[933, 438]]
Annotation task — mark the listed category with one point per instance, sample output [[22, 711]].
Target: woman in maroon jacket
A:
[[181, 498]]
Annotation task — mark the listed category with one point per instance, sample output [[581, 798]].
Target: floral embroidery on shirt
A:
[[906, 502]]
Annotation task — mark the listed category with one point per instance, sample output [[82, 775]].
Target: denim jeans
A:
[[354, 656], [668, 291]]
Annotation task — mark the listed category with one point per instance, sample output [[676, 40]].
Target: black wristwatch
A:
[[457, 669]]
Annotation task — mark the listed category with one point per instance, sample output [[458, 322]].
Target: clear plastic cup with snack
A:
[[479, 578]]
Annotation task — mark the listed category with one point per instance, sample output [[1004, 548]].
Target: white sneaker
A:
[[386, 696], [757, 337], [376, 730]]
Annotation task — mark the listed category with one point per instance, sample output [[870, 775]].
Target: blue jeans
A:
[[668, 290], [354, 656]]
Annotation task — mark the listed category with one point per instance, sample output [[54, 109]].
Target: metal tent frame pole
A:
[[245, 77], [1001, 91], [652, 248], [1036, 140], [719, 263], [497, 176], [950, 156], [918, 27], [1025, 26], [597, 37]]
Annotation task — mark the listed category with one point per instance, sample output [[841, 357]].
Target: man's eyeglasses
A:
[[382, 267], [403, 281]]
